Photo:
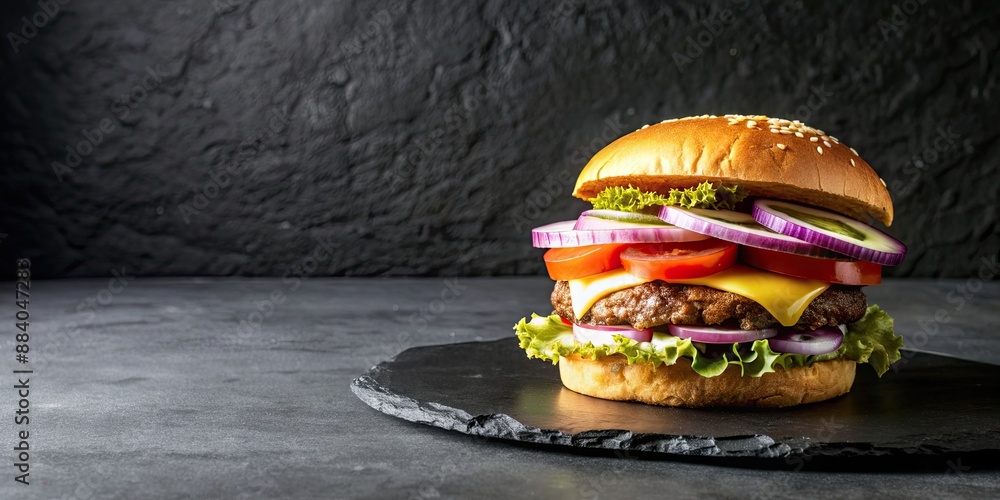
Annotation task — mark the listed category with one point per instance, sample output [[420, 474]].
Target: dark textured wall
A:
[[239, 137]]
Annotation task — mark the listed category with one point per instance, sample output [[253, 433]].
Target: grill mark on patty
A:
[[658, 303]]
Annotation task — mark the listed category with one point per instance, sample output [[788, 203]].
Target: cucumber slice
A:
[[631, 217]]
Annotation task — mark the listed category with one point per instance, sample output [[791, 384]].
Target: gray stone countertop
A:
[[176, 388]]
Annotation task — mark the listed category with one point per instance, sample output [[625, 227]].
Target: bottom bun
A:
[[611, 377]]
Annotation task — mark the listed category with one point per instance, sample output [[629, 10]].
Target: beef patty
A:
[[659, 303]]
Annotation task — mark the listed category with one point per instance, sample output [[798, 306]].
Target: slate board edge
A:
[[502, 426]]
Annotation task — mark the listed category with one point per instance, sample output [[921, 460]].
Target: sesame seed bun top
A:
[[769, 157]]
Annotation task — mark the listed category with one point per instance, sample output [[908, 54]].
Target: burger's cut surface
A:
[[722, 265]]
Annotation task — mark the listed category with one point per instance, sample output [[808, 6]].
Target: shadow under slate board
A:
[[931, 408]]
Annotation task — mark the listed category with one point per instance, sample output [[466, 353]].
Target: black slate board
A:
[[931, 406]]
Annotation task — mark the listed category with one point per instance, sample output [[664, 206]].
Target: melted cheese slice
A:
[[584, 292], [785, 297]]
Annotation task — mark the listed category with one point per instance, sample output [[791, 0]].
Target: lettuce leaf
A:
[[627, 199], [705, 195], [870, 340], [546, 338]]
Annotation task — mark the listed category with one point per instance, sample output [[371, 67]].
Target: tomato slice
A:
[[666, 261], [843, 271], [570, 263]]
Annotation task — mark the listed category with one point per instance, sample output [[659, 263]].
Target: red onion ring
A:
[[736, 227], [562, 234], [719, 334], [841, 234], [819, 341], [604, 334]]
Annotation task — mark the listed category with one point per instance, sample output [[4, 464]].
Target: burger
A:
[[723, 264]]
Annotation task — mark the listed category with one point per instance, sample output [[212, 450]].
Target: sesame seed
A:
[[827, 144], [786, 132], [799, 134], [781, 146], [883, 181], [813, 139], [774, 131], [855, 152], [644, 127], [819, 149], [852, 163], [751, 123]]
